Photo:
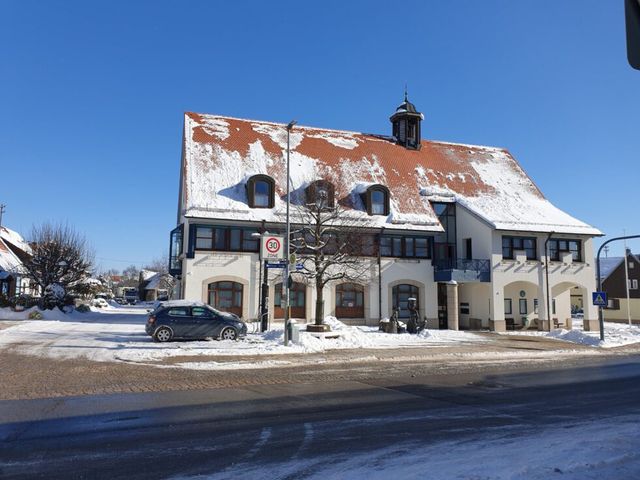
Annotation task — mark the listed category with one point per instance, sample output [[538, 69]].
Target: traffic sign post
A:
[[599, 299], [272, 247]]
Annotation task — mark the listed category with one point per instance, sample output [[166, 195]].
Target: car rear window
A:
[[178, 312]]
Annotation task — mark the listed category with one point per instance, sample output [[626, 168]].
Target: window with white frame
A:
[[632, 283]]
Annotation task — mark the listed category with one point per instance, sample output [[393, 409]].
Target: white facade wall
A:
[[470, 226], [563, 276], [485, 300], [244, 268]]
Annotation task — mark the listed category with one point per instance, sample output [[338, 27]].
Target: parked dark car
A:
[[191, 320]]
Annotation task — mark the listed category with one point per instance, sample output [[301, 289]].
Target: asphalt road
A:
[[237, 432]]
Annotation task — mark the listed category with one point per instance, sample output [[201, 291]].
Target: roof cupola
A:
[[406, 124]]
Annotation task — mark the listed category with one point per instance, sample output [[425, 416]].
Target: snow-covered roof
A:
[[9, 262], [609, 264], [147, 274], [15, 239], [154, 282], [220, 153]]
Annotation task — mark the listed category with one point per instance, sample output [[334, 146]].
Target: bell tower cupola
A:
[[406, 124]]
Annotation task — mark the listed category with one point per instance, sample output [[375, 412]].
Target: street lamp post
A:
[[287, 238], [263, 280]]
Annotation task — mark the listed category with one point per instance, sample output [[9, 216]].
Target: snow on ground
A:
[[615, 334], [116, 333], [589, 450]]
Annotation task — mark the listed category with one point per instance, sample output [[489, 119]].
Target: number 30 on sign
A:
[[272, 247]]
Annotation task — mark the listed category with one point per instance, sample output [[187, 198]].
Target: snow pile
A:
[[615, 334]]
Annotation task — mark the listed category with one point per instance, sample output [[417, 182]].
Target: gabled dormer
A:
[[406, 125]]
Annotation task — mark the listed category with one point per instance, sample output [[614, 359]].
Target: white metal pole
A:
[[286, 240], [626, 278]]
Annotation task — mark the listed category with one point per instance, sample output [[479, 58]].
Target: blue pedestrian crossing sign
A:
[[599, 299]]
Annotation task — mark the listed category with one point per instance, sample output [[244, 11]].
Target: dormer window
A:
[[377, 200], [261, 191], [320, 194]]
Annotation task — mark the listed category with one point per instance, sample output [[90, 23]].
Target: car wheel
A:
[[163, 334], [228, 334]]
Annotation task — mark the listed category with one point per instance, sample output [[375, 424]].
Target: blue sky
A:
[[92, 96]]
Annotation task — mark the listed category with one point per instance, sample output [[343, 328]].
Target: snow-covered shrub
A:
[[83, 308], [35, 315], [53, 296]]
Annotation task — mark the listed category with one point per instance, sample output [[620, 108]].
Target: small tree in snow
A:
[[328, 245], [60, 257]]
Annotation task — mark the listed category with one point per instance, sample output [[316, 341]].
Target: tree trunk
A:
[[319, 305]]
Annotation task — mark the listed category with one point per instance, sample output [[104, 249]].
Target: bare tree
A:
[[327, 244], [130, 277], [159, 264], [60, 256]]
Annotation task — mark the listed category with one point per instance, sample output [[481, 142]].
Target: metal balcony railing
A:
[[462, 269]]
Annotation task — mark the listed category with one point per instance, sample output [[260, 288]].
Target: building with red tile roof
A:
[[483, 218]]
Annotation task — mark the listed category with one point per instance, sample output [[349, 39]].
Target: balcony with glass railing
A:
[[462, 270]]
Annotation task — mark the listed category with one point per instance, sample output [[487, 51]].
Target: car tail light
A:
[[151, 320]]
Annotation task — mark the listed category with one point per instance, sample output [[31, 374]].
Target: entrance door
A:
[[442, 307]]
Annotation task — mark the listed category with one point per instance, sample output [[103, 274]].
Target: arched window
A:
[[320, 193], [297, 301], [400, 294], [377, 200], [349, 300], [226, 297], [261, 191]]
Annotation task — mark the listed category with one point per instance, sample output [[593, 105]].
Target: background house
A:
[[613, 275], [155, 286], [14, 250]]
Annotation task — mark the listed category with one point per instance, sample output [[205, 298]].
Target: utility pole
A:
[[3, 208]]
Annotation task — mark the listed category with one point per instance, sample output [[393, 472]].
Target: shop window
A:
[[349, 300]]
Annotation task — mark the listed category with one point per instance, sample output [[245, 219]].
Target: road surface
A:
[[539, 422]]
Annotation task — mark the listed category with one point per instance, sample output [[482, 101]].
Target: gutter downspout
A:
[[380, 275]]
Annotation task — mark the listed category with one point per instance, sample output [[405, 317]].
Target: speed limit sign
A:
[[272, 247]]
